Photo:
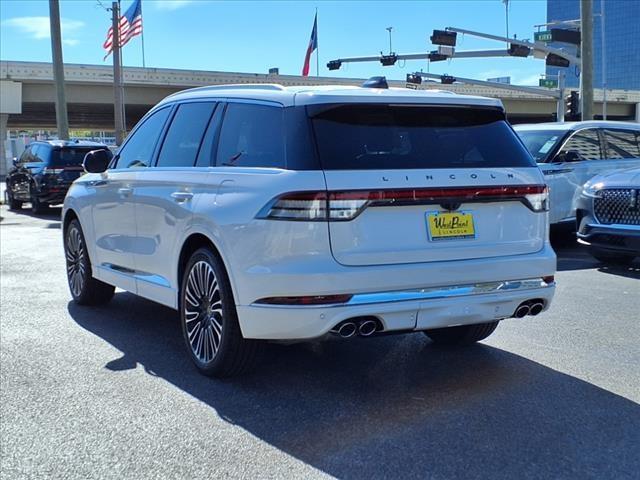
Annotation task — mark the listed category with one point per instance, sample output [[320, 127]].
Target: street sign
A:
[[548, 83], [544, 36]]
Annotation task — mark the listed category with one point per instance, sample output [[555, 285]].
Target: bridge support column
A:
[[4, 161]]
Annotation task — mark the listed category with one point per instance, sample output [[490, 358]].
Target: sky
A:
[[239, 36]]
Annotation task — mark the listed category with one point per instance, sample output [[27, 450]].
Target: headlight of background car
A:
[[592, 189]]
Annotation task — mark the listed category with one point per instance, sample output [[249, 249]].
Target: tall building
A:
[[622, 41]]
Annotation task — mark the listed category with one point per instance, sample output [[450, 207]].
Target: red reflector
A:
[[310, 300], [549, 279]]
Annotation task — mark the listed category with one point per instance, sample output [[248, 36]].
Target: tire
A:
[[461, 335], [209, 320], [609, 257], [38, 207], [13, 204], [85, 289]]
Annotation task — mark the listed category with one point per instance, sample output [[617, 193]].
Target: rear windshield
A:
[[376, 137], [540, 142], [62, 157]]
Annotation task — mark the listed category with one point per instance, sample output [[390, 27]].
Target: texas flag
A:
[[313, 45]]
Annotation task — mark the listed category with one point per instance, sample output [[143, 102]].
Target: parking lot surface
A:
[[110, 392]]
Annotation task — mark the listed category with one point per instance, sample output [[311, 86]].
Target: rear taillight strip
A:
[[348, 204]]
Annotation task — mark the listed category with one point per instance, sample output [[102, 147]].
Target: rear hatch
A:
[[66, 163], [421, 183]]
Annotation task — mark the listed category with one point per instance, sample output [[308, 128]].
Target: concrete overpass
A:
[[28, 94]]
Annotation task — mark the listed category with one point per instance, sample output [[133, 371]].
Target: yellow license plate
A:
[[450, 225]]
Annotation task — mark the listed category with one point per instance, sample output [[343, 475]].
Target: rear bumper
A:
[[421, 309]]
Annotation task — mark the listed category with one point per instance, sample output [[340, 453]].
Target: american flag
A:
[[130, 26]]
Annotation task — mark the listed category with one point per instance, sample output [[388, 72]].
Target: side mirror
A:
[[568, 156], [96, 161], [14, 161]]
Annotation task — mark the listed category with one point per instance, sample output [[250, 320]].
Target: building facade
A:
[[622, 41]]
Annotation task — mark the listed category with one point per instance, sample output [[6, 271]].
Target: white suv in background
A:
[[268, 213], [570, 154]]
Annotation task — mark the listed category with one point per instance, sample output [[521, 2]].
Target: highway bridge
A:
[[28, 94]]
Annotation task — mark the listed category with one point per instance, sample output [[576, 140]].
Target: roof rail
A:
[[235, 86]]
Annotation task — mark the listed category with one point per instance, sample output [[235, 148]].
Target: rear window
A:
[[61, 157], [376, 137]]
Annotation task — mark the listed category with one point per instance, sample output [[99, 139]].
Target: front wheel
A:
[[85, 289], [462, 334], [209, 320], [13, 203]]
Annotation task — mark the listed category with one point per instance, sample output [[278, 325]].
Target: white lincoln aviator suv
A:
[[261, 212]]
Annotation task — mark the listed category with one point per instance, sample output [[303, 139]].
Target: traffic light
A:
[[434, 56], [334, 65], [554, 60], [388, 60], [518, 50], [565, 36], [414, 78], [572, 106], [447, 79], [443, 37]]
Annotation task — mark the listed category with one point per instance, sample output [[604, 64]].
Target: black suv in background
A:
[[44, 172]]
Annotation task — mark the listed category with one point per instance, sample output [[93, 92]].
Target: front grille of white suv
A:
[[617, 206]]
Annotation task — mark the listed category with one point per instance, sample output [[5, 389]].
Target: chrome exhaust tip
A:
[[536, 308], [522, 311], [367, 328], [347, 330]]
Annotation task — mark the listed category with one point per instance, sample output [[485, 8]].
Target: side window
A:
[[34, 154], [24, 158], [622, 143], [586, 143], [252, 136], [182, 142], [138, 149], [206, 153], [42, 154]]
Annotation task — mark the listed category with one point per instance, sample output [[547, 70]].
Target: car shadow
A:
[[393, 406], [51, 213]]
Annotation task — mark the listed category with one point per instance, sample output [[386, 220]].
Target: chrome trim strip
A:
[[614, 226], [431, 293]]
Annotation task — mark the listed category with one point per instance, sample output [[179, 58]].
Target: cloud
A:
[[38, 28], [170, 5]]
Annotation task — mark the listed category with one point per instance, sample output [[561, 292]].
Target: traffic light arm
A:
[[504, 86], [534, 46], [425, 56]]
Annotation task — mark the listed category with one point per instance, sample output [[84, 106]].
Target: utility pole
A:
[[117, 75], [586, 51], [560, 105], [603, 57], [62, 121]]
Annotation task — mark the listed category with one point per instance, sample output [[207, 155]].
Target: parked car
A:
[[569, 154], [608, 216], [45, 170], [261, 212]]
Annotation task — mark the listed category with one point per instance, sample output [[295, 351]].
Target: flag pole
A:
[[317, 47], [144, 64]]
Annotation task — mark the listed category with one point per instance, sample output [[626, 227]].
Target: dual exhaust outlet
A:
[[530, 307], [364, 327]]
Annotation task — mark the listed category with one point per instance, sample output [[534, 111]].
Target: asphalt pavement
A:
[[109, 392]]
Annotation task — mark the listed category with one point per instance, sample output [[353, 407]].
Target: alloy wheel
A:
[[203, 311], [75, 261]]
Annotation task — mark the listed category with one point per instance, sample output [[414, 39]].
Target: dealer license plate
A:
[[450, 225]]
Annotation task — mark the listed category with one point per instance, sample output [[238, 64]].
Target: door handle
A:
[[181, 197], [125, 191]]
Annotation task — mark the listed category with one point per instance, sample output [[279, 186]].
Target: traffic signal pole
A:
[[586, 53]]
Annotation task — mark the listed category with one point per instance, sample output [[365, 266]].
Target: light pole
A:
[[586, 50], [62, 121]]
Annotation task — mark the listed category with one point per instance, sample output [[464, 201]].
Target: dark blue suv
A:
[[44, 172]]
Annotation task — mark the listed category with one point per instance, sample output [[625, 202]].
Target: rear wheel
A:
[[462, 334], [85, 289], [209, 320], [37, 206], [610, 257]]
